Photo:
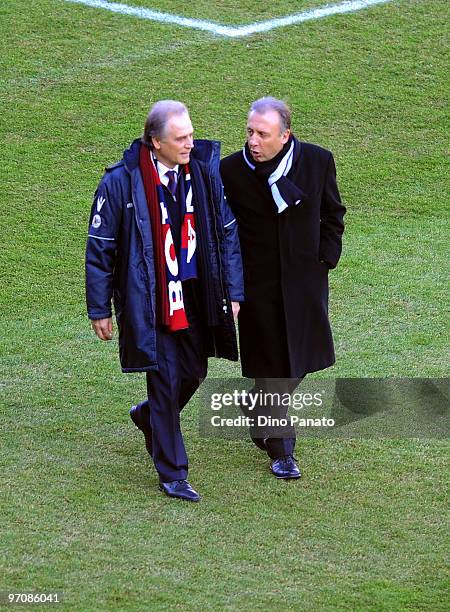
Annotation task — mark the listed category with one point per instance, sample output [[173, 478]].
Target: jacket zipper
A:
[[139, 224]]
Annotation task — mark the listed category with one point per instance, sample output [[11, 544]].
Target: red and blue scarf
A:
[[171, 268]]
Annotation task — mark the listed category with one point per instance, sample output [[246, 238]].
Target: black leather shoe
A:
[[141, 423], [285, 467], [181, 489]]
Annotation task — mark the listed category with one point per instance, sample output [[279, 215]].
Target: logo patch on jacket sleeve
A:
[[96, 221], [100, 201]]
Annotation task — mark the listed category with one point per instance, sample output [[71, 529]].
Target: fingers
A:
[[103, 328], [110, 328], [236, 307]]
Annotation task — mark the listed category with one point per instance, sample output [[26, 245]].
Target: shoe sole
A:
[[285, 477], [177, 497]]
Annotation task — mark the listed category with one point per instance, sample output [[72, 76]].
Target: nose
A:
[[252, 141]]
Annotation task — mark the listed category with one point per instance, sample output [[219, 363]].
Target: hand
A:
[[103, 328], [236, 307]]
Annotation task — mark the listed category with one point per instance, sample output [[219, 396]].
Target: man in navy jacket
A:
[[163, 247]]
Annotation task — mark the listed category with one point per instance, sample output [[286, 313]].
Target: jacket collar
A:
[[204, 151], [131, 155]]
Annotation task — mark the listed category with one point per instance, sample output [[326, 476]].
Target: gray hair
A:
[[268, 103], [159, 115]]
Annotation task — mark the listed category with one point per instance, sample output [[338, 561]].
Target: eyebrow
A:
[[259, 131]]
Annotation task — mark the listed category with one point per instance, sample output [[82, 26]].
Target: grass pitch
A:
[[80, 509]]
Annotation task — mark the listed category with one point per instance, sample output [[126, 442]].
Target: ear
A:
[[156, 143], [285, 136]]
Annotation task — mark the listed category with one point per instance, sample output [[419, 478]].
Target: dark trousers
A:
[[182, 366], [279, 440]]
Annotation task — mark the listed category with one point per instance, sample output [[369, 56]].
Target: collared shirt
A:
[[162, 171], [176, 219]]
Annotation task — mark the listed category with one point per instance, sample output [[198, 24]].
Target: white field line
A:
[[350, 6]]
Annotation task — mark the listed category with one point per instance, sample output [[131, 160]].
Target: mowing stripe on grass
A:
[[77, 70], [233, 32]]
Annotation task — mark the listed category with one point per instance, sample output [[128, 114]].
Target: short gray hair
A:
[[159, 115], [268, 103]]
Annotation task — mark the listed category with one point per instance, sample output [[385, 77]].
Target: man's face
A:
[[176, 144], [264, 136]]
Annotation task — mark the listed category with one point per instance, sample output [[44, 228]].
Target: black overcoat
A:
[[284, 329]]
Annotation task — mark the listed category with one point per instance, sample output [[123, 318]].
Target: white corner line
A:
[[349, 6]]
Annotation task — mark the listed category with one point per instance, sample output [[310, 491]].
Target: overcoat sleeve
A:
[[332, 213]]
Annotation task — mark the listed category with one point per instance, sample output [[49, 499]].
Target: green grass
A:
[[232, 13], [80, 511]]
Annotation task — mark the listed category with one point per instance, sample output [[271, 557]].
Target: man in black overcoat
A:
[[284, 195]]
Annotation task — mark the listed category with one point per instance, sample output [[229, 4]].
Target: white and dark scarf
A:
[[284, 192]]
